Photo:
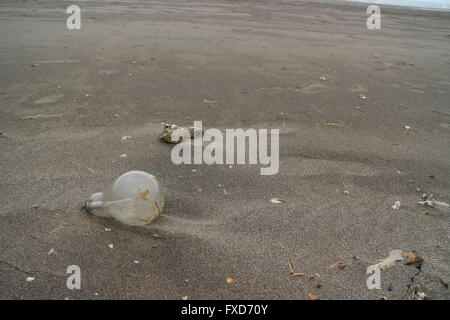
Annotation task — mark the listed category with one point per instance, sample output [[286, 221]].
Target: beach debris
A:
[[107, 229], [276, 200], [313, 297], [171, 132], [298, 274], [123, 155], [338, 265], [29, 279], [420, 295], [323, 79], [125, 138], [389, 261], [156, 236], [396, 205], [407, 127], [434, 204], [426, 212], [134, 199], [111, 246], [333, 124], [225, 192], [291, 271], [346, 190], [136, 261], [54, 230], [315, 276], [444, 283], [291, 267], [35, 206], [184, 298], [42, 116], [230, 280], [209, 101], [51, 251], [412, 257], [363, 97]]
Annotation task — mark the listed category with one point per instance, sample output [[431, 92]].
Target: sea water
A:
[[425, 4]]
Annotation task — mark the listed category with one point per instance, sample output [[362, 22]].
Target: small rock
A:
[[363, 97]]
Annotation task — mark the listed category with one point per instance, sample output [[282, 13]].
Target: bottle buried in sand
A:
[[135, 199]]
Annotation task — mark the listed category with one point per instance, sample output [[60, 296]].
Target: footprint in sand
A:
[[49, 99]]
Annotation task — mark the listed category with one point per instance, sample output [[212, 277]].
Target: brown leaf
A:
[[230, 280], [412, 257], [337, 265], [313, 297]]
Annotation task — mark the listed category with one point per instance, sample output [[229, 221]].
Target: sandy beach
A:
[[68, 96]]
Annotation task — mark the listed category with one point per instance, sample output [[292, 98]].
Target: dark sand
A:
[[262, 62]]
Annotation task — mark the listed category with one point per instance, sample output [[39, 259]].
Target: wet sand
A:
[[135, 64]]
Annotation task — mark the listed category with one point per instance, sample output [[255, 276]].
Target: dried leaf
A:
[[230, 280], [412, 257], [313, 297], [337, 265]]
